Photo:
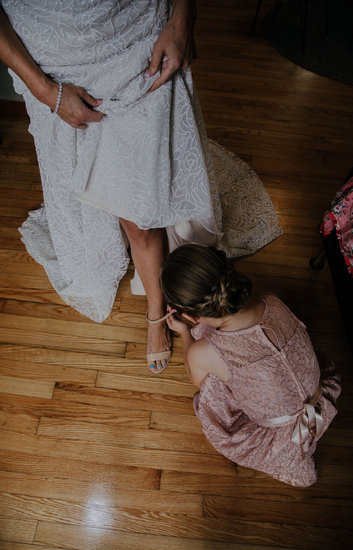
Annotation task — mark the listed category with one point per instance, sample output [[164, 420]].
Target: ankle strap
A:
[[155, 321]]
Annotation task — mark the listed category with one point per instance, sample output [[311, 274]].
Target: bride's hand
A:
[[76, 105]]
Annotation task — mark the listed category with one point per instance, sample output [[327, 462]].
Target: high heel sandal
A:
[[163, 356]]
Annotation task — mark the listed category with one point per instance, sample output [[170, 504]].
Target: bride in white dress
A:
[[124, 158]]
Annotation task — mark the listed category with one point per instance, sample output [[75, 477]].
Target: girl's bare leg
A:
[[148, 251]]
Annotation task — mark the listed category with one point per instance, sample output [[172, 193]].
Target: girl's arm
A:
[[196, 356], [200, 358], [73, 106], [187, 340]]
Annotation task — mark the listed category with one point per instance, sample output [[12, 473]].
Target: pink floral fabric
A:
[[273, 372], [339, 218]]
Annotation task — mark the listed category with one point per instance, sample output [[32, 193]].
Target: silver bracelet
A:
[[59, 99]]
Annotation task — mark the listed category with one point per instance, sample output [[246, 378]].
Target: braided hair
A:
[[201, 281]]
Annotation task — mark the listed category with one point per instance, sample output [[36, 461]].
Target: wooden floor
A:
[[96, 452]]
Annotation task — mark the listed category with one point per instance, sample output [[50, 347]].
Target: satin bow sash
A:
[[309, 423]]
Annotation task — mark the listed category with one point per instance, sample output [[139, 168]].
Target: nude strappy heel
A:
[[159, 355]]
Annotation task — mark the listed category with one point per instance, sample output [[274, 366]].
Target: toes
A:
[[155, 367], [159, 366]]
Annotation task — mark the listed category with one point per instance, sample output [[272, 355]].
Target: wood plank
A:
[[63, 312], [90, 365], [104, 495], [92, 538], [133, 305], [23, 280], [88, 329], [20, 546], [120, 436], [75, 411], [39, 310], [87, 360], [339, 437], [297, 513], [23, 423], [17, 530], [26, 156], [13, 261], [27, 196], [16, 211], [14, 258], [334, 483], [112, 454], [67, 358], [24, 386], [183, 423], [10, 240], [204, 528], [30, 294], [329, 454], [307, 537], [156, 385], [7, 221], [40, 332], [48, 373], [77, 469], [124, 398], [13, 172]]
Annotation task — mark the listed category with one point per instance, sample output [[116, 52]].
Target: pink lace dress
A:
[[276, 404]]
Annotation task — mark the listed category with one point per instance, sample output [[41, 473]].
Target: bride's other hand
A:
[[175, 47]]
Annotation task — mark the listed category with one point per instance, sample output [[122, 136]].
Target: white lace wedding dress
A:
[[147, 161]]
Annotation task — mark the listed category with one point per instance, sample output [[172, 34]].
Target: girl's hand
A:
[[175, 324]]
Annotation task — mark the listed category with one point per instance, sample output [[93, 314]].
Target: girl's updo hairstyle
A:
[[201, 281]]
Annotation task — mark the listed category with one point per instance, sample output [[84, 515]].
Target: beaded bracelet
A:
[[59, 99]]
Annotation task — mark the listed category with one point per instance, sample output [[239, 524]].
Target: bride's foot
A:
[[158, 344]]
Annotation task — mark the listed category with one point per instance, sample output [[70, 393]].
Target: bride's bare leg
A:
[[148, 251]]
